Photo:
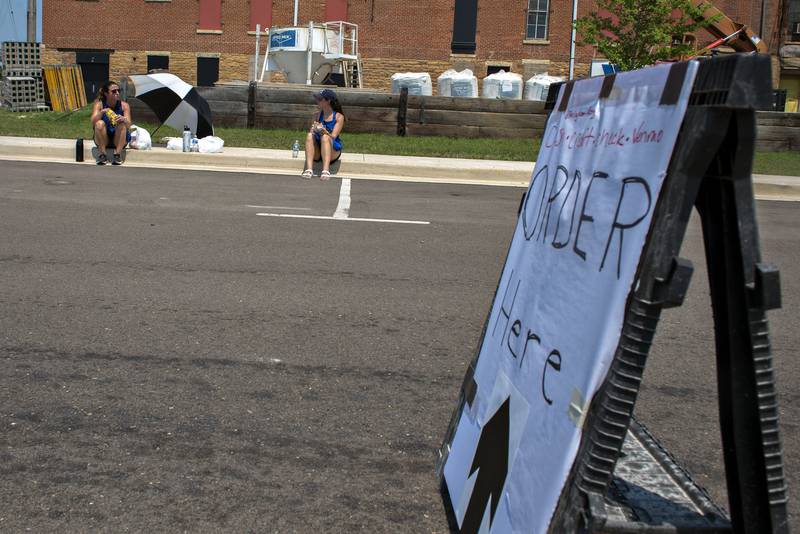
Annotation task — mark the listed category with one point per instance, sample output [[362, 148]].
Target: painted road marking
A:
[[343, 208], [332, 218], [277, 207], [342, 212]]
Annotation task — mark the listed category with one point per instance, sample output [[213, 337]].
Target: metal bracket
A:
[[765, 291], [673, 289], [595, 515]]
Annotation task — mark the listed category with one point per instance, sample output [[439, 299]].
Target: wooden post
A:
[[251, 104], [402, 111], [31, 21]]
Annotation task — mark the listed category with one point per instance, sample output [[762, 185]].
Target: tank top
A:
[[328, 124], [117, 109]]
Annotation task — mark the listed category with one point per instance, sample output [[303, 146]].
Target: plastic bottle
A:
[[195, 144], [296, 148], [187, 139]]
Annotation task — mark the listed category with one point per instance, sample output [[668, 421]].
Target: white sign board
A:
[[556, 320]]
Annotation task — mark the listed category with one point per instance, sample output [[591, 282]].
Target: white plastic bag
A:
[[418, 83], [175, 143], [452, 83], [210, 145], [503, 85], [140, 138], [538, 86]]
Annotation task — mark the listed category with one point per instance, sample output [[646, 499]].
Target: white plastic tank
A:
[[308, 53], [418, 83], [503, 84], [460, 84], [537, 87]]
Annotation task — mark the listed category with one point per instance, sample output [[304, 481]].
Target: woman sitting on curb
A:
[[111, 120], [322, 141]]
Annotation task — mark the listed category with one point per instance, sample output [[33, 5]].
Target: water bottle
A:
[[296, 148], [187, 139], [79, 150], [195, 144]]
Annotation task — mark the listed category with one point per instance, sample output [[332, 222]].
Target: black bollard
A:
[[79, 150]]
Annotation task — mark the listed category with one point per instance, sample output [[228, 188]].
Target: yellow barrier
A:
[[65, 87]]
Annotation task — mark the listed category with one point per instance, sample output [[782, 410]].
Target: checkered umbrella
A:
[[175, 102]]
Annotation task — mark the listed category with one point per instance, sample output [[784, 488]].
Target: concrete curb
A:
[[357, 166], [372, 166]]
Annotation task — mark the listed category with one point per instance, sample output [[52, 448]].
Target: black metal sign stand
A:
[[710, 170]]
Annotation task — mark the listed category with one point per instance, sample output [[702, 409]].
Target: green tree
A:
[[635, 33]]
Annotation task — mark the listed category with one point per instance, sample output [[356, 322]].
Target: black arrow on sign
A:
[[491, 462]]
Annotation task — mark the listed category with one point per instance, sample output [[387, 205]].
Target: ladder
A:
[[352, 73]]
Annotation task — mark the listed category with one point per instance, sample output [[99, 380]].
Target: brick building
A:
[[208, 40], [789, 52]]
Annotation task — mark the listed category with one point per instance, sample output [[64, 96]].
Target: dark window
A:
[[465, 25], [793, 18], [537, 19], [491, 69], [210, 14], [157, 63], [207, 71]]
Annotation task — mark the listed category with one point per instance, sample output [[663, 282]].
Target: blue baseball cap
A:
[[325, 94]]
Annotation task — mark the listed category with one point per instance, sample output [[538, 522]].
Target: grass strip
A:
[[72, 125]]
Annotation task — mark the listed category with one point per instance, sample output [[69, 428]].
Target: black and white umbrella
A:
[[175, 102]]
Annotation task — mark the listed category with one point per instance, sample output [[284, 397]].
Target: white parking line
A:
[[277, 207], [343, 208], [334, 218], [342, 212]]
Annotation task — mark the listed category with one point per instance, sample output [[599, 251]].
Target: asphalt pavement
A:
[[204, 351]]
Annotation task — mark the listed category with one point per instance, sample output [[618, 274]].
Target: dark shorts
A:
[[111, 130]]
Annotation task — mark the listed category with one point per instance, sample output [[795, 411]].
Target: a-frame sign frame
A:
[[710, 170]]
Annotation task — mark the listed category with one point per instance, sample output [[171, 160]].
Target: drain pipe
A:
[[295, 12], [310, 50], [258, 45], [572, 40]]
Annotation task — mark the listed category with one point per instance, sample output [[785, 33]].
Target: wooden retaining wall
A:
[[292, 107], [778, 132]]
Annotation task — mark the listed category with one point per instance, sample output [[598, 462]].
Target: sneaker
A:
[[117, 160], [102, 159]]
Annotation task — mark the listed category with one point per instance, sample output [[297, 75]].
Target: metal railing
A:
[[346, 37]]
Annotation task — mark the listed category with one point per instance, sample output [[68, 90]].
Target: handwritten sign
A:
[[556, 319]]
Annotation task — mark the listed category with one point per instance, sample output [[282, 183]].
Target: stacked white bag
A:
[[454, 83], [538, 86], [503, 84], [418, 83]]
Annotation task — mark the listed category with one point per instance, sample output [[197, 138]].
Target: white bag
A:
[[418, 83], [538, 87], [452, 83], [210, 145], [140, 138], [503, 84], [175, 143]]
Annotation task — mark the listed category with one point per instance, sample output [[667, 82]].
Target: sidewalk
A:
[[372, 166], [357, 166]]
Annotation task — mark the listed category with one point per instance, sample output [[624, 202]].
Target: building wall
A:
[[394, 36]]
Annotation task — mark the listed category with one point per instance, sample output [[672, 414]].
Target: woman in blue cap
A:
[[323, 142]]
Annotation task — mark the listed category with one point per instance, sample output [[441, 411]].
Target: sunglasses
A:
[[115, 91]]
